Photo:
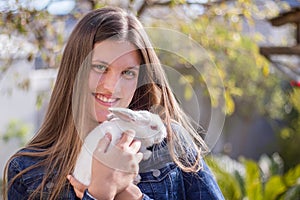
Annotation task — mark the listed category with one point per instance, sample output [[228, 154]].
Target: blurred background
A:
[[253, 45]]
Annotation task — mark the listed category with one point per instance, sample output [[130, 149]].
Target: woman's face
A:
[[113, 77]]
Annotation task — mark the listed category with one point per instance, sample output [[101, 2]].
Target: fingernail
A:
[[69, 177]]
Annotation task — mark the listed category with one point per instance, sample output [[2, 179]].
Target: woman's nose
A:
[[109, 81]]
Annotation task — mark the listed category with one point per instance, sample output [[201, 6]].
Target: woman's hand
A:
[[113, 167], [132, 192], [79, 188]]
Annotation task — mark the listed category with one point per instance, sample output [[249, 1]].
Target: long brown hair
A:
[[59, 139]]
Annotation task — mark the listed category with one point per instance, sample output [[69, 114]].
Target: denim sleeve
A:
[[88, 196], [202, 185], [17, 190], [145, 197]]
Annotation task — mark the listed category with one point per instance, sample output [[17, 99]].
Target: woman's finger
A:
[[135, 145], [139, 156], [126, 139], [79, 188], [103, 143]]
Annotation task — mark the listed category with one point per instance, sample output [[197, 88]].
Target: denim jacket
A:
[[161, 179]]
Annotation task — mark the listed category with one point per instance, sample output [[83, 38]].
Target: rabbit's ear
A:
[[123, 113], [143, 118], [138, 117]]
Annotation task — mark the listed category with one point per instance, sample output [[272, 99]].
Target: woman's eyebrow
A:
[[136, 67], [100, 61]]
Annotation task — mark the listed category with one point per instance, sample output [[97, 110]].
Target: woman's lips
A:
[[106, 100]]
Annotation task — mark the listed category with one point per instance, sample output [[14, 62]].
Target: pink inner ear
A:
[[125, 116], [154, 127]]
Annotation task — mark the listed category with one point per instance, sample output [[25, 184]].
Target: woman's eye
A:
[[129, 74], [100, 68]]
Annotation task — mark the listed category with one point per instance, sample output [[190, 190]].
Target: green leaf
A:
[[228, 183], [292, 177], [188, 92], [274, 188], [294, 98], [253, 182], [16, 129], [230, 105]]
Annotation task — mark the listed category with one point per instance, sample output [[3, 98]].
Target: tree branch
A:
[[149, 3]]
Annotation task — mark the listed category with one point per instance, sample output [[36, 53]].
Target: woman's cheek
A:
[[130, 92], [93, 81]]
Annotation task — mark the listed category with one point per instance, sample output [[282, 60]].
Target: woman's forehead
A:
[[110, 51]]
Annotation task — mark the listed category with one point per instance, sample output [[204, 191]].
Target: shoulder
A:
[[21, 182], [22, 162], [181, 132], [176, 126], [22, 159], [185, 146]]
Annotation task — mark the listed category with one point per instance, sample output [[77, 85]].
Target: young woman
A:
[[109, 62]]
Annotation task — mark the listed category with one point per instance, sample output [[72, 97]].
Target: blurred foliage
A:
[[247, 179], [295, 96], [16, 129], [249, 85], [44, 31], [289, 136]]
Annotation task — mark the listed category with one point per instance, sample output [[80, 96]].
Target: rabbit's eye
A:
[[154, 127]]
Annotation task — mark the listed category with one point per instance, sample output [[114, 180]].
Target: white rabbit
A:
[[149, 130]]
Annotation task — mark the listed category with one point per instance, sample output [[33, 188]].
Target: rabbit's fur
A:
[[149, 130]]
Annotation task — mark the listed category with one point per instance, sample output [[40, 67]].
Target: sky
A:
[[55, 7]]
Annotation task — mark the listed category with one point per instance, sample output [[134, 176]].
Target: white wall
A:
[[17, 104]]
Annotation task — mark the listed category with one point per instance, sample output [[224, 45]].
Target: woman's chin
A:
[[101, 116]]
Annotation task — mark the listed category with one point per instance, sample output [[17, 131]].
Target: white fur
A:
[[148, 127]]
